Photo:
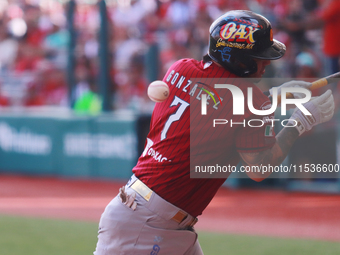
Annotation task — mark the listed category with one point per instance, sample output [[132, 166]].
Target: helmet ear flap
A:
[[242, 65]]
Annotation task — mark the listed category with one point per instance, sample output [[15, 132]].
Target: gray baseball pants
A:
[[149, 229]]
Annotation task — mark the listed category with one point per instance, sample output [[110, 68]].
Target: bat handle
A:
[[316, 84], [288, 95], [319, 83]]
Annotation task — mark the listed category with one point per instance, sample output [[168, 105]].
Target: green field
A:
[[30, 236]]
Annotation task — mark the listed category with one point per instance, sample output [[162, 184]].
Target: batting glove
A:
[[321, 108], [293, 84], [128, 199]]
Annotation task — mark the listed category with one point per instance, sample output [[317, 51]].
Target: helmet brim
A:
[[275, 51]]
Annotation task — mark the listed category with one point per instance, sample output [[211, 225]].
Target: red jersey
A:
[[180, 135], [331, 39]]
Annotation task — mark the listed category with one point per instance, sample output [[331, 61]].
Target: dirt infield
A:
[[255, 212]]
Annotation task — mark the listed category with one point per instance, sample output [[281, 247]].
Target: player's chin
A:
[[257, 77]]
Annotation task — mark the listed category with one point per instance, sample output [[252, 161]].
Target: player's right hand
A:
[[321, 108]]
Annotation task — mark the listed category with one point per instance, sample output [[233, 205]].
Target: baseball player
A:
[[155, 212]]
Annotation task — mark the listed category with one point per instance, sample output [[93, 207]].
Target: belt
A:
[[146, 193]]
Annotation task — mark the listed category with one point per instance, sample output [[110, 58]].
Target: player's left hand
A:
[[293, 84]]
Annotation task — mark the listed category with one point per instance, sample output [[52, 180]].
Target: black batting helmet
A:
[[239, 36]]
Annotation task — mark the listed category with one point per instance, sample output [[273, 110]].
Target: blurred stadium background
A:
[[73, 81]]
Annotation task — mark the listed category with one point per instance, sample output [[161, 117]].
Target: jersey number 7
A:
[[176, 116]]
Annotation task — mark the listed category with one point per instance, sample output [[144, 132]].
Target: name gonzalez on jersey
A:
[[173, 79]]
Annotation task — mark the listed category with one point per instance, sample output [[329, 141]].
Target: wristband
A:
[[298, 125]]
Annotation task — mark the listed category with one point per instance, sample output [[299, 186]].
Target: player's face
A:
[[261, 68]]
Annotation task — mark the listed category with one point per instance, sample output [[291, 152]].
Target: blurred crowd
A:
[[33, 43], [146, 37]]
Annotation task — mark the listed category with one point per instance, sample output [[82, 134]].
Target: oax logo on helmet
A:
[[238, 32]]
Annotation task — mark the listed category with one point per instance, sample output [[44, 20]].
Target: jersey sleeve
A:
[[255, 139], [257, 134]]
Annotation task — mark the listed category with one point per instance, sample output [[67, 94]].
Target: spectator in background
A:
[[54, 87], [133, 86], [179, 14], [48, 87], [30, 50], [326, 17], [197, 37], [4, 100], [89, 102], [34, 95], [296, 13], [84, 74], [129, 42], [307, 66], [34, 35], [55, 44], [330, 17], [28, 57], [8, 47], [131, 15]]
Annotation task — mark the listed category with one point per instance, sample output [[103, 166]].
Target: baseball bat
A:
[[317, 84], [324, 81]]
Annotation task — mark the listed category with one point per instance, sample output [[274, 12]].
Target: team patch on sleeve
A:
[[269, 131]]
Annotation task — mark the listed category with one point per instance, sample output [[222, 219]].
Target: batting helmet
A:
[[237, 37]]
